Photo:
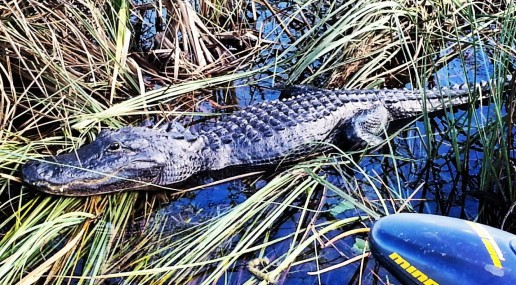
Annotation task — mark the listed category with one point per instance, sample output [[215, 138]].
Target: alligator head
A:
[[131, 158]]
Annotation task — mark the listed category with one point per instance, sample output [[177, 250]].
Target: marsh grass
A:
[[70, 68]]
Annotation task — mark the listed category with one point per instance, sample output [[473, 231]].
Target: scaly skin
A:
[[261, 135]]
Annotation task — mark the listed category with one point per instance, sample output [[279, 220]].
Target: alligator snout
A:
[[34, 171]]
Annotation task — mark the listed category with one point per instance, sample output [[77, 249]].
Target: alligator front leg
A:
[[366, 128]]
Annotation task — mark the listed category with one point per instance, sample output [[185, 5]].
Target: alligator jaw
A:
[[94, 186], [40, 174], [74, 187]]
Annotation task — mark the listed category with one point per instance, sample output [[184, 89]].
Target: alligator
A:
[[259, 136]]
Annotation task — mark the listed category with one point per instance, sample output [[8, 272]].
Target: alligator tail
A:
[[410, 104]]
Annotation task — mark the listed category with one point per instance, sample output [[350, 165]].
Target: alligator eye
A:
[[115, 146]]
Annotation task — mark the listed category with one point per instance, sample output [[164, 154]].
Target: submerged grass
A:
[[72, 67]]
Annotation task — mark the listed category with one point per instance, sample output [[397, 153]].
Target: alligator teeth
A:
[[61, 189]]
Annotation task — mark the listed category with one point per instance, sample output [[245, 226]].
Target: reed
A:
[[70, 68]]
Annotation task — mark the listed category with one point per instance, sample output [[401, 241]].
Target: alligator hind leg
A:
[[366, 128]]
